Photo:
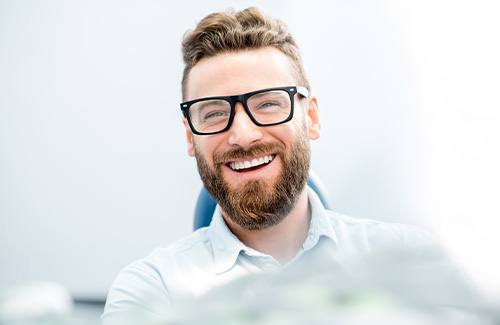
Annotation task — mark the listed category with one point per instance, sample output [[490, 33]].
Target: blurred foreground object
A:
[[35, 303], [386, 287]]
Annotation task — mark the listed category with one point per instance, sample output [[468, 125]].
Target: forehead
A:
[[239, 72]]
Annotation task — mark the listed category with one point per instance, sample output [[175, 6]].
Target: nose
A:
[[243, 132]]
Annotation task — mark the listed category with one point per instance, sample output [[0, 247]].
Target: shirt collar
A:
[[319, 226], [227, 247]]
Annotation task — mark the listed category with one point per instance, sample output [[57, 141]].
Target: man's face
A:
[[260, 196]]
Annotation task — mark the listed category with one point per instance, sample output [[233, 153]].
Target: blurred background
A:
[[93, 166]]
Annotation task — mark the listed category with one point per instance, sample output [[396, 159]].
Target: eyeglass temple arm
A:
[[303, 91]]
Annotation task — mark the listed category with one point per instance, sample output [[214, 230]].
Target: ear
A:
[[312, 118], [189, 137]]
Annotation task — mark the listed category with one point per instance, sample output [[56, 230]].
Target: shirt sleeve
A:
[[138, 295]]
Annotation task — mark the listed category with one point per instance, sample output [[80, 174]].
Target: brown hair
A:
[[231, 30]]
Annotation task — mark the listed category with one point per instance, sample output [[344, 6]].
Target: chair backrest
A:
[[205, 205]]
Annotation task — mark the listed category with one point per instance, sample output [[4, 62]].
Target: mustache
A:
[[240, 153]]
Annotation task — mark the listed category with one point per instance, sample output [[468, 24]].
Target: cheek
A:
[[199, 148], [205, 149], [299, 116], [300, 122], [284, 133], [294, 129]]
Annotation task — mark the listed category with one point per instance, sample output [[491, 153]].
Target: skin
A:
[[237, 73]]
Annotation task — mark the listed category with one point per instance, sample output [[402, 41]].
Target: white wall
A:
[[93, 169]]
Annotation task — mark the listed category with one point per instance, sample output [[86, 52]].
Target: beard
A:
[[255, 204]]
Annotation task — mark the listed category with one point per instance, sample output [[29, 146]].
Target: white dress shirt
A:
[[213, 255]]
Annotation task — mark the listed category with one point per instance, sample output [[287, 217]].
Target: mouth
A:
[[251, 164]]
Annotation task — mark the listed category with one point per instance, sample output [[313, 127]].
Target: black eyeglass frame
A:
[[291, 90]]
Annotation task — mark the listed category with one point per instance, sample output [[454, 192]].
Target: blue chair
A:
[[205, 205]]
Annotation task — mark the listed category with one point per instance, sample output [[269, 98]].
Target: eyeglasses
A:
[[265, 107]]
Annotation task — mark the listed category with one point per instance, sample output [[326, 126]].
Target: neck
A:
[[281, 241]]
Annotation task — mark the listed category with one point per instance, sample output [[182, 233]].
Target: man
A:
[[249, 116]]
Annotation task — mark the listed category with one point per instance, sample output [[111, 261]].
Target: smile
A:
[[247, 164]]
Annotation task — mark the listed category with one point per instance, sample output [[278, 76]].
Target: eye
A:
[[212, 115], [268, 105]]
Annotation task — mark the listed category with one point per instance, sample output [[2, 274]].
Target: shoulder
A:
[[163, 260], [146, 286], [196, 243], [369, 234], [194, 247]]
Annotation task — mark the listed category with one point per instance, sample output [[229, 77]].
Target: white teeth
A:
[[254, 162]]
